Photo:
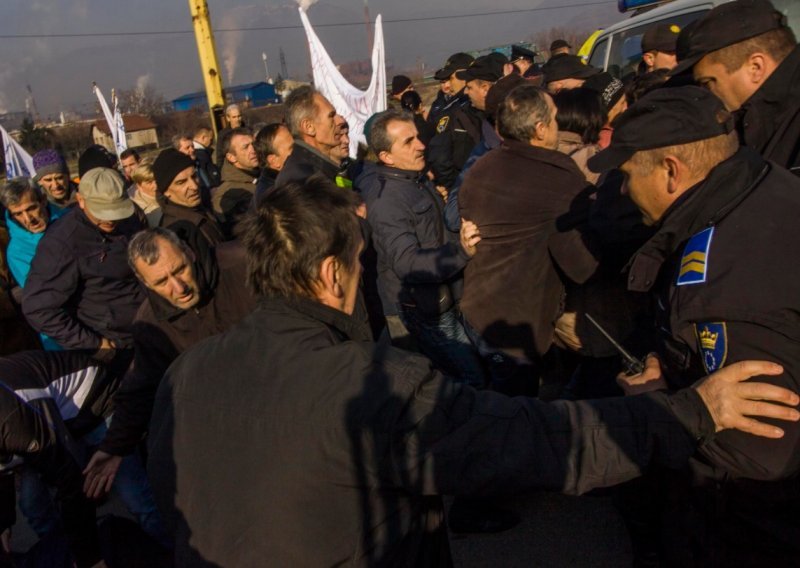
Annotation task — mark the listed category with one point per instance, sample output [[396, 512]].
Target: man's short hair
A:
[[128, 153], [520, 112], [15, 190], [178, 138], [775, 43], [143, 172], [144, 245], [201, 129], [295, 227], [265, 140], [227, 138], [379, 140], [700, 156], [300, 105]]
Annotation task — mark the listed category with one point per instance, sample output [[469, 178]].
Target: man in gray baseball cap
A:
[[80, 290], [745, 53]]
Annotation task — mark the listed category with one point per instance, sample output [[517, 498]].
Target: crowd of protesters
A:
[[279, 354]]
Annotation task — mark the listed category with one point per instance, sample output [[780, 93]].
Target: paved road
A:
[[556, 531]]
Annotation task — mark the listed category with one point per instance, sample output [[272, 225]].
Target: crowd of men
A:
[[279, 354]]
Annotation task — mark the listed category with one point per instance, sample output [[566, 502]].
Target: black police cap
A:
[[726, 25], [486, 67], [454, 63], [664, 117], [565, 66], [661, 37], [519, 52]]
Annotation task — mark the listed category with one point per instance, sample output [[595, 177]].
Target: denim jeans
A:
[[443, 340], [130, 484]]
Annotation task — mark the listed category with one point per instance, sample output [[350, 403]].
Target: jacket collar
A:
[[345, 325], [396, 173], [546, 155], [314, 153], [232, 173], [701, 206]]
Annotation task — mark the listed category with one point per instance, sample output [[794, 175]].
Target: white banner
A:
[[354, 105], [18, 162], [114, 120]]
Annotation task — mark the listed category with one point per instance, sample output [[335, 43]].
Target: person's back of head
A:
[[580, 111], [411, 101], [295, 227]]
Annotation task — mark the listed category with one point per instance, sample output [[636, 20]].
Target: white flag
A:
[[18, 162], [120, 141], [354, 105], [114, 121]]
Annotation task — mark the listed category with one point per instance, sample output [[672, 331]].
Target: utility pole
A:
[[266, 66], [207, 52], [284, 68]]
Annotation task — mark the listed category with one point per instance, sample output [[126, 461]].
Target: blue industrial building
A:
[[255, 94]]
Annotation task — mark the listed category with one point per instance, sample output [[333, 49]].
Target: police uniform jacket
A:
[[329, 450], [723, 268], [458, 130], [769, 121]]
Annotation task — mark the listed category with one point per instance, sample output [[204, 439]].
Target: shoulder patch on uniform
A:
[[694, 263], [713, 340], [441, 126]]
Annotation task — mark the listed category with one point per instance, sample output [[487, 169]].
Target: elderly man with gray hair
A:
[[311, 119], [189, 297]]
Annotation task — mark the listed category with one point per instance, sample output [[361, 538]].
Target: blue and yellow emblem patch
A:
[[694, 263], [441, 126], [713, 340]]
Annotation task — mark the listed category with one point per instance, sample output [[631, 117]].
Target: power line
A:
[[294, 27]]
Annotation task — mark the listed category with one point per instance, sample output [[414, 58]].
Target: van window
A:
[[598, 58], [626, 46]]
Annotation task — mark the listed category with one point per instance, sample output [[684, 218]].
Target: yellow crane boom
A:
[[207, 52]]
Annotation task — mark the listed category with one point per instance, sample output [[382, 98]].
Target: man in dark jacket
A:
[[311, 119], [240, 171], [190, 297], [35, 431], [745, 54], [274, 145], [207, 170], [182, 208], [331, 450], [724, 294], [531, 205], [80, 290], [419, 262]]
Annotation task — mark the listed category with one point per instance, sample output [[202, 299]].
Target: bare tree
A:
[[145, 100]]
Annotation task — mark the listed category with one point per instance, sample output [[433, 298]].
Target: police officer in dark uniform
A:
[[721, 267], [458, 129], [455, 96], [523, 60]]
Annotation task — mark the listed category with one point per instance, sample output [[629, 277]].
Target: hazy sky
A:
[[60, 70]]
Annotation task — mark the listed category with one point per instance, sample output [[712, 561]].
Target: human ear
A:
[[756, 67], [386, 158], [674, 171]]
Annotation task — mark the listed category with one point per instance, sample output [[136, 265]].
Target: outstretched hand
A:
[[100, 474], [733, 403]]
